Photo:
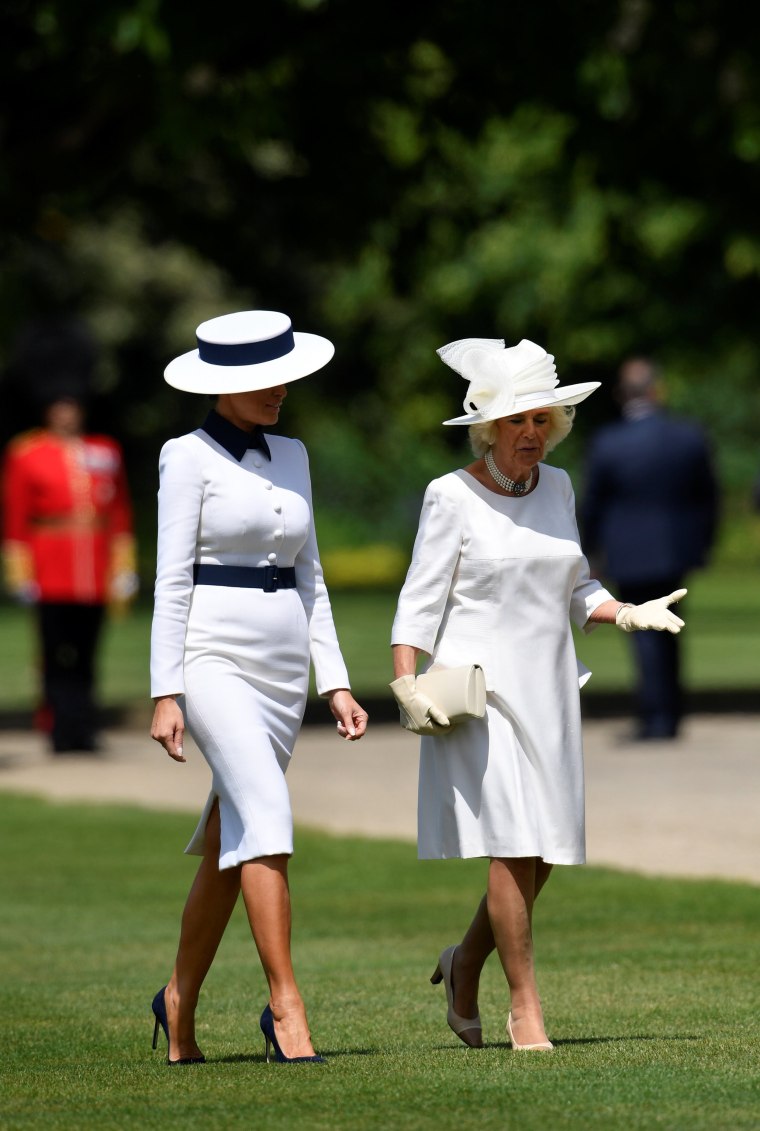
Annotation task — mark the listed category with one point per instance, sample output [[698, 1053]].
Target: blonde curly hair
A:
[[483, 436]]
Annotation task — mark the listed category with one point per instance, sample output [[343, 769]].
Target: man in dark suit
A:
[[649, 516]]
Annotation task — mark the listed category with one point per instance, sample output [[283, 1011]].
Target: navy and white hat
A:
[[252, 349], [504, 381]]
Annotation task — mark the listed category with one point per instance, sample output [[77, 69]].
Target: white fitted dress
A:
[[240, 656], [496, 580]]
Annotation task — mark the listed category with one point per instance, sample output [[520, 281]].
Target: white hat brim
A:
[[546, 398], [310, 353]]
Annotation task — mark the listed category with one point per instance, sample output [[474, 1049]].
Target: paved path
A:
[[686, 808]]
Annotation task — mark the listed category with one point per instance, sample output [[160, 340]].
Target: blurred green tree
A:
[[583, 175]]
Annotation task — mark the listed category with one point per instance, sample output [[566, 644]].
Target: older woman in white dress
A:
[[240, 609], [497, 576]]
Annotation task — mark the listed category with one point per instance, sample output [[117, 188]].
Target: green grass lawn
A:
[[721, 644], [650, 991]]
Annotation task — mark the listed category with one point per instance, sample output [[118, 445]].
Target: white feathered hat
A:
[[252, 349], [504, 381]]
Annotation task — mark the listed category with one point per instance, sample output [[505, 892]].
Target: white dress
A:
[[496, 580], [240, 656]]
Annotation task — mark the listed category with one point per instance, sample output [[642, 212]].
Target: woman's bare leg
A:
[[476, 946], [209, 905], [469, 958], [267, 901], [513, 885]]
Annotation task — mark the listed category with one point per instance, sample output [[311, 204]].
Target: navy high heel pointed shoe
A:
[[267, 1028], [159, 1010]]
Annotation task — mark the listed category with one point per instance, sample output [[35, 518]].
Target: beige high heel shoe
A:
[[468, 1030], [540, 1046]]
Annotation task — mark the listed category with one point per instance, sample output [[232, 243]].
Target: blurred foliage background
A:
[[581, 174]]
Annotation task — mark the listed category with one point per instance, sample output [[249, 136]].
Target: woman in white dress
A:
[[496, 577], [240, 608]]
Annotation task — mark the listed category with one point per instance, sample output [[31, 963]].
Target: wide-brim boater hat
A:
[[505, 381], [249, 350]]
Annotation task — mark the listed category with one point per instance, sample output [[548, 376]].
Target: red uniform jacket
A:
[[67, 517]]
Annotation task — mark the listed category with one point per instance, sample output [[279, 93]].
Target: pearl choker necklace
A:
[[503, 481]]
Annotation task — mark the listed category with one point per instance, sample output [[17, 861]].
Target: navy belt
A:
[[269, 578]]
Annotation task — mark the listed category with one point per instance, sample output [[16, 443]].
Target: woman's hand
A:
[[652, 614], [168, 727], [352, 719], [636, 618], [419, 713]]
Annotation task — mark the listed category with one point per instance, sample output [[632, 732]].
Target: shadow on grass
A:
[[574, 1042], [259, 1058], [633, 1037]]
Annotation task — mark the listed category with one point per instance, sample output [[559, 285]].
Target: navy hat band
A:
[[246, 353]]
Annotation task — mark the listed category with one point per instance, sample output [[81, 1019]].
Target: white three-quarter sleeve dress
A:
[[496, 580], [240, 656]]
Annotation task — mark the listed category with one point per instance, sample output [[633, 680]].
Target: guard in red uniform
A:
[[68, 548]]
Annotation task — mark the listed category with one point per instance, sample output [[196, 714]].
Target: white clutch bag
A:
[[459, 692]]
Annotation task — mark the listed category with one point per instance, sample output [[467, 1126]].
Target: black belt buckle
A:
[[270, 579]]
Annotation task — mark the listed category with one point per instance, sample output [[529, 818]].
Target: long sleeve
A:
[[588, 593], [120, 511], [707, 488], [594, 504], [329, 667], [422, 600], [17, 508], [122, 582], [179, 505], [18, 560]]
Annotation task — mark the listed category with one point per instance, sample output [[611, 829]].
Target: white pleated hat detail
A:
[[245, 351], [506, 380]]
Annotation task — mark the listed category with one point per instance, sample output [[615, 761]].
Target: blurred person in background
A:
[[68, 548], [649, 516]]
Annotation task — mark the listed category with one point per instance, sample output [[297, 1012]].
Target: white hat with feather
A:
[[504, 381]]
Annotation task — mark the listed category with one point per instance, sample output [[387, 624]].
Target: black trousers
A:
[[659, 699], [69, 635]]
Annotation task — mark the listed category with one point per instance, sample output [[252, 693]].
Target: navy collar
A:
[[233, 439]]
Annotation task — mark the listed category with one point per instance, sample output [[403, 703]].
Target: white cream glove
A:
[[419, 714], [652, 614]]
